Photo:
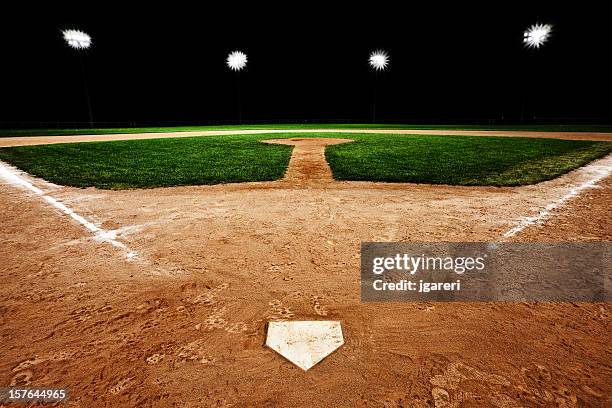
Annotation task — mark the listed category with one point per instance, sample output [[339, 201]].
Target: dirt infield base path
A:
[[308, 164], [183, 323], [36, 140]]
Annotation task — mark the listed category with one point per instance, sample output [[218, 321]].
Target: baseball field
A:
[[141, 266]]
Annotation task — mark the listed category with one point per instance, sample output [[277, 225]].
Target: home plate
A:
[[304, 343]]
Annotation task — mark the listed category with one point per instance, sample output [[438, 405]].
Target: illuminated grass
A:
[[153, 162], [462, 160]]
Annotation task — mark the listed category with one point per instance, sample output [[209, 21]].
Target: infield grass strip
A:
[[460, 160], [153, 162]]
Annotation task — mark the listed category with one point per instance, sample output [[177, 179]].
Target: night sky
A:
[[307, 62]]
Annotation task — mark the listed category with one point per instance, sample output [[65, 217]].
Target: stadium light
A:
[[237, 61], [77, 39], [536, 35], [379, 61], [81, 41]]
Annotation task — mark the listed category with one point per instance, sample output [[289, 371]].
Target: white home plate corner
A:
[[304, 343]]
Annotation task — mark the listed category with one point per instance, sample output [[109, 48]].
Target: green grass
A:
[[462, 160], [102, 131], [152, 162]]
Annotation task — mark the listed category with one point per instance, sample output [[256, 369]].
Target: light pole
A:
[[534, 37], [379, 60], [236, 61], [81, 41]]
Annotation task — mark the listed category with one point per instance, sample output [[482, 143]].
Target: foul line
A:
[[596, 172], [11, 176]]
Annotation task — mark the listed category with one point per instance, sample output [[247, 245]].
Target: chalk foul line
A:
[[595, 173], [13, 177]]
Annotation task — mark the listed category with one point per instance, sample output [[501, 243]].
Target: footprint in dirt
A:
[[61, 356], [537, 373], [426, 307], [28, 363], [274, 269], [81, 315], [460, 384], [193, 294], [278, 312], [319, 309], [195, 352], [216, 320], [122, 385], [449, 392], [22, 378], [236, 327], [155, 358]]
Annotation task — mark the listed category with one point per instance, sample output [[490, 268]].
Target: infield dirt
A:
[[184, 323]]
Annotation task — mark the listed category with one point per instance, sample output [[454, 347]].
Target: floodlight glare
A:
[[536, 35], [236, 60], [379, 60], [77, 39]]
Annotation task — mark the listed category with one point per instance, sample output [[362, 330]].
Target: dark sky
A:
[[307, 62]]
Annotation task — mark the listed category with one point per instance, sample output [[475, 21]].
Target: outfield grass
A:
[[103, 131], [461, 160]]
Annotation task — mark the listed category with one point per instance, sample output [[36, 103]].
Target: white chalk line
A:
[[595, 173], [119, 233], [12, 176]]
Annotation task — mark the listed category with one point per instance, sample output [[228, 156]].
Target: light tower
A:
[[236, 61], [379, 61], [535, 37], [81, 42]]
